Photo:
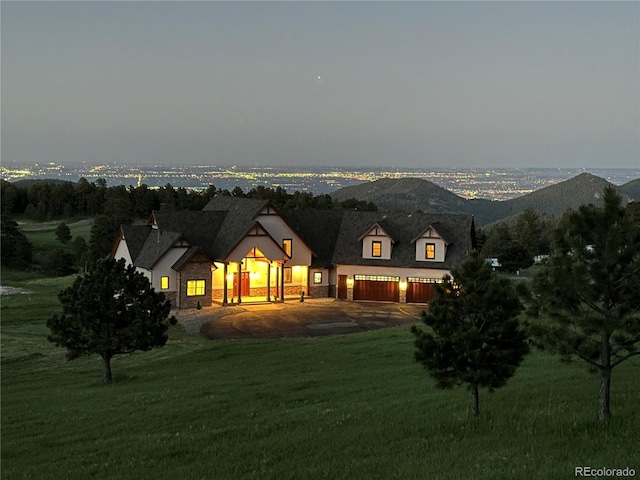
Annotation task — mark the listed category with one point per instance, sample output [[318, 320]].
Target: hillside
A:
[[411, 194], [406, 194], [632, 189]]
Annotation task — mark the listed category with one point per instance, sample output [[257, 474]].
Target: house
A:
[[244, 250]]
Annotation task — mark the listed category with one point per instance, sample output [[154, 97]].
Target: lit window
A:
[[287, 275], [286, 246], [195, 288], [164, 283], [317, 277], [430, 252], [376, 249]]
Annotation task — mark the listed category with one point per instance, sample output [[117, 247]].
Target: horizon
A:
[[322, 84]]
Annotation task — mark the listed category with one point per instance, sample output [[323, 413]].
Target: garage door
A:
[[376, 287], [420, 290]]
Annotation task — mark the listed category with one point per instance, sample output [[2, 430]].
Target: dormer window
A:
[[430, 251], [431, 244], [376, 249], [376, 243]]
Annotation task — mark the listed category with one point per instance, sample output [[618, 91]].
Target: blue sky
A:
[[405, 84]]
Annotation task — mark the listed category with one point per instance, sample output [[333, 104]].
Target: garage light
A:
[[403, 285], [349, 282]]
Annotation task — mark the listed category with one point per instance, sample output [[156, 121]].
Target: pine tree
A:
[[63, 233], [474, 337], [111, 310], [589, 291]]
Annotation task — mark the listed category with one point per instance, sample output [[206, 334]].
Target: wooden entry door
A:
[[246, 285], [342, 287]]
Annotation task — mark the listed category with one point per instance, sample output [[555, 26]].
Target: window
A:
[[376, 249], [287, 275], [164, 283], [317, 277], [430, 252], [286, 246], [195, 288]]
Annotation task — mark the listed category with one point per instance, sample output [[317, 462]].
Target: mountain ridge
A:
[[413, 194]]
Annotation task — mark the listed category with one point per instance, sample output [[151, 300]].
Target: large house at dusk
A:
[[244, 250]]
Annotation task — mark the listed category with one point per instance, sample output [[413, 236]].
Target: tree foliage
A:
[[473, 334], [63, 233], [589, 290], [16, 249], [110, 310]]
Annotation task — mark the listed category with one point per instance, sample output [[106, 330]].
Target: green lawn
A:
[[43, 238], [344, 407]]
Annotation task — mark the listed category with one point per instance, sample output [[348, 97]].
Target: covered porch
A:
[[258, 277]]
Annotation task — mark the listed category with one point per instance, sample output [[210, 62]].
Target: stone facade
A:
[[319, 291], [198, 269]]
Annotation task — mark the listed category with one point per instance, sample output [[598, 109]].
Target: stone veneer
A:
[[319, 291], [195, 270]]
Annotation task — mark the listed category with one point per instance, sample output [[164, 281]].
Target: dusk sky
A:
[[405, 84]]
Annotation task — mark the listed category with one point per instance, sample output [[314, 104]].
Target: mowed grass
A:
[[43, 238], [344, 407]]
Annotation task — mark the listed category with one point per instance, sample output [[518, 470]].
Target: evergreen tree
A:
[[16, 251], [63, 233], [111, 310], [474, 337], [589, 291]]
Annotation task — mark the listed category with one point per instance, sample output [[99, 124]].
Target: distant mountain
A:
[[411, 194], [632, 189], [406, 194], [27, 183]]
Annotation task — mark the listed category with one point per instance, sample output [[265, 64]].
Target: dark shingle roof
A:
[[135, 236], [240, 215], [457, 230], [156, 245], [186, 256], [198, 227], [319, 229]]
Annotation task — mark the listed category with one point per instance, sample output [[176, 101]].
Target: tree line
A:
[[111, 207], [50, 200]]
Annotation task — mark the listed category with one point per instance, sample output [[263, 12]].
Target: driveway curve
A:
[[312, 318]]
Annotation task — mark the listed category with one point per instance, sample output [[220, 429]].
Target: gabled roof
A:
[[240, 213], [437, 227], [186, 256], [379, 224], [155, 247], [457, 228], [135, 236], [198, 227], [319, 229]]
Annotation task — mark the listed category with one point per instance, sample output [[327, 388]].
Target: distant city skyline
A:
[[352, 84]]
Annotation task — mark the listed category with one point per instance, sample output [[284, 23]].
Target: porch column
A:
[[239, 282], [282, 281], [269, 282], [224, 294]]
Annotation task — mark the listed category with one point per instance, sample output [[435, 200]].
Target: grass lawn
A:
[[43, 238], [345, 407]]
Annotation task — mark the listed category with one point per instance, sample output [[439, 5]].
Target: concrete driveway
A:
[[314, 317]]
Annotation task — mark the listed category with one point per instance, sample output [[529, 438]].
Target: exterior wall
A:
[[318, 290], [403, 272], [122, 251], [162, 268], [367, 246], [279, 230], [194, 271], [421, 254]]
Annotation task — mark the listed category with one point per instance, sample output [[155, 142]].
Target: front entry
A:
[[246, 284]]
